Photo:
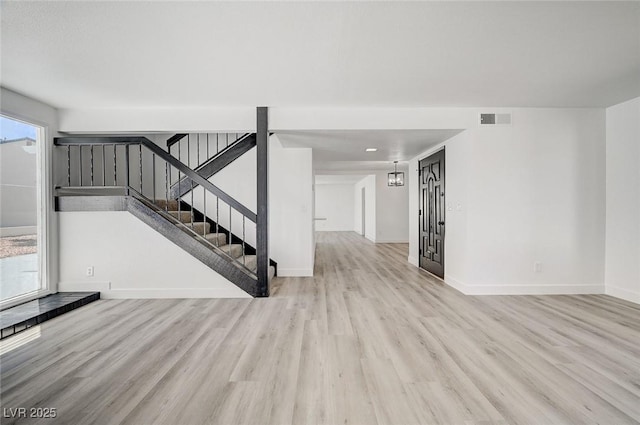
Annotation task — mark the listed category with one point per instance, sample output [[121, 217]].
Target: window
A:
[[21, 212]]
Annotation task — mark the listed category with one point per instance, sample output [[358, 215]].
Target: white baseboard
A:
[[622, 293], [174, 293], [456, 284], [530, 289], [534, 289], [371, 238], [18, 231], [413, 261], [295, 272]]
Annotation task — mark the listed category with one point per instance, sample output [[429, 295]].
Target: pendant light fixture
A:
[[396, 178]]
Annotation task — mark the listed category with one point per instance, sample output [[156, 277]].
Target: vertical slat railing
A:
[[204, 226], [91, 163], [217, 219], [69, 165], [167, 178], [115, 166], [179, 178], [80, 159], [104, 168], [126, 165], [221, 224], [154, 177], [204, 210], [141, 187]]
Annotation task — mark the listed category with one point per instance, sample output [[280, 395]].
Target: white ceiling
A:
[[345, 149], [80, 54]]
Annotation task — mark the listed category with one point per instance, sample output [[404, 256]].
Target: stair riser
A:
[[234, 250], [184, 216], [171, 205], [200, 228], [218, 239]]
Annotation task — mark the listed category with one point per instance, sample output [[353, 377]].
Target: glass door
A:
[[21, 237]]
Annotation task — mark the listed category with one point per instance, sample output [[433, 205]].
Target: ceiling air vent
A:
[[495, 119]]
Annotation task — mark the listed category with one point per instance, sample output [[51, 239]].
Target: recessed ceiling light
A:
[[371, 149]]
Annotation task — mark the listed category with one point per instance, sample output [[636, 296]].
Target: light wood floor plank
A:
[[368, 340]]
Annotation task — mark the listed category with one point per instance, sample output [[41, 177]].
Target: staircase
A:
[[235, 248], [170, 191]]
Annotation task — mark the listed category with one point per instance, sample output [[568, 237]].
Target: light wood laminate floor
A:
[[369, 340]]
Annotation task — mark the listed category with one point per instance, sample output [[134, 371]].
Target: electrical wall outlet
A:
[[537, 267], [90, 271]]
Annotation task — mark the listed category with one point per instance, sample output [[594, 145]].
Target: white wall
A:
[[530, 192], [174, 120], [291, 209], [534, 193], [369, 185], [392, 209], [131, 260], [622, 265], [387, 208], [291, 241], [335, 204]]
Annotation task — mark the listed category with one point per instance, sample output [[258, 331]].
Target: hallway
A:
[[369, 340]]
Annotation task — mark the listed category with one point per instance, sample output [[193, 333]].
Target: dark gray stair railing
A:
[[222, 157], [201, 148], [95, 166]]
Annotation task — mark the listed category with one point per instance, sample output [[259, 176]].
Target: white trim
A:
[[530, 289], [371, 238], [173, 293], [18, 231], [622, 293], [295, 272], [392, 241], [432, 150], [412, 260], [456, 284], [559, 289]]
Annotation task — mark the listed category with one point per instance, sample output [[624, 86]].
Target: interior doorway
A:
[[431, 173], [21, 212]]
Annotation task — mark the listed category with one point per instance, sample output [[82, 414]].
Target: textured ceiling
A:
[[78, 54]]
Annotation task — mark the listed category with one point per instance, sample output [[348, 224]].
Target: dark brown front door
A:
[[432, 208]]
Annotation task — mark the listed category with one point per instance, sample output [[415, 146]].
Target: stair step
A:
[[251, 264], [184, 216], [171, 205], [200, 227], [218, 239], [234, 250]]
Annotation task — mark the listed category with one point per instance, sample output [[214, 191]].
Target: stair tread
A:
[[184, 216], [235, 250], [218, 239]]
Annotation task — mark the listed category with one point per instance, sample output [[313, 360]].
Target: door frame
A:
[[420, 203], [45, 225]]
